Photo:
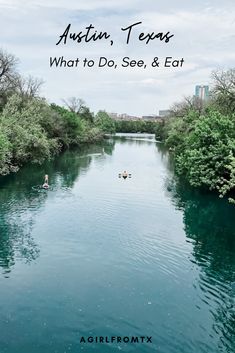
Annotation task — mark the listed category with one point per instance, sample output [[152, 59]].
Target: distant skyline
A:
[[204, 35]]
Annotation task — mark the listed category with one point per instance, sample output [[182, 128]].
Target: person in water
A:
[[46, 180], [124, 174]]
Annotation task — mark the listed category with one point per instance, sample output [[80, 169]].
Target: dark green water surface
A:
[[97, 255]]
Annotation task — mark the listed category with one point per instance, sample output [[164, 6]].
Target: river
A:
[[97, 255]]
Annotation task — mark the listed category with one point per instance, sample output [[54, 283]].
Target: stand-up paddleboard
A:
[[44, 186], [46, 182], [39, 188]]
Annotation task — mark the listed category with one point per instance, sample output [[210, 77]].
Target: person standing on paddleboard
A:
[[46, 182]]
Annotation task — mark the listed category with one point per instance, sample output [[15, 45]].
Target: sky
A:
[[204, 36]]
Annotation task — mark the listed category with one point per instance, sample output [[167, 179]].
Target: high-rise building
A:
[[202, 92]]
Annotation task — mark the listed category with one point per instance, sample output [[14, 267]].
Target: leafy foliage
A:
[[105, 122], [136, 126], [207, 158], [31, 130], [21, 126], [203, 140], [5, 153]]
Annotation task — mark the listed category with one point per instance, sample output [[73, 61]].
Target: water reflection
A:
[[21, 198], [209, 224], [80, 286], [166, 157], [135, 139]]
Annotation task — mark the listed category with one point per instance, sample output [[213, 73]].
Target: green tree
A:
[[20, 122], [223, 91], [208, 154], [86, 114], [70, 128], [5, 154], [105, 122]]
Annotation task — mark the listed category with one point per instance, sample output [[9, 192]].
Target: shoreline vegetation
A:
[[31, 129], [200, 134]]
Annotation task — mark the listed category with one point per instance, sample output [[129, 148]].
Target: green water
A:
[[97, 255]]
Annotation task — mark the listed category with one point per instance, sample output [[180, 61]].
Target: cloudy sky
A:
[[204, 35]]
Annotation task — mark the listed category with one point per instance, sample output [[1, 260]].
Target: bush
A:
[[23, 137], [208, 154], [104, 122]]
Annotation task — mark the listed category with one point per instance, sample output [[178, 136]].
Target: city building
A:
[[150, 117], [123, 116], [164, 113], [113, 115], [202, 92]]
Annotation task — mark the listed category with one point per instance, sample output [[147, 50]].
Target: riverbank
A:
[[203, 147], [31, 129], [201, 135]]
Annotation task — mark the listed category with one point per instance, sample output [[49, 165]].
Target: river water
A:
[[98, 255]]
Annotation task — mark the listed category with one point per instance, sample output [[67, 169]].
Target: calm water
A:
[[97, 255]]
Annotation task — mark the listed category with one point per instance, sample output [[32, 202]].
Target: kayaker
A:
[[124, 174]]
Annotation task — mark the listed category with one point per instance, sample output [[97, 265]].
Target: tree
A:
[[29, 87], [8, 73], [188, 104], [70, 128], [208, 154], [74, 104], [30, 128], [105, 122], [77, 106], [8, 76], [223, 91], [5, 154], [21, 123], [86, 115]]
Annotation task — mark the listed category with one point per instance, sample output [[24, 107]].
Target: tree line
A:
[[199, 133], [201, 136], [135, 126], [31, 129]]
